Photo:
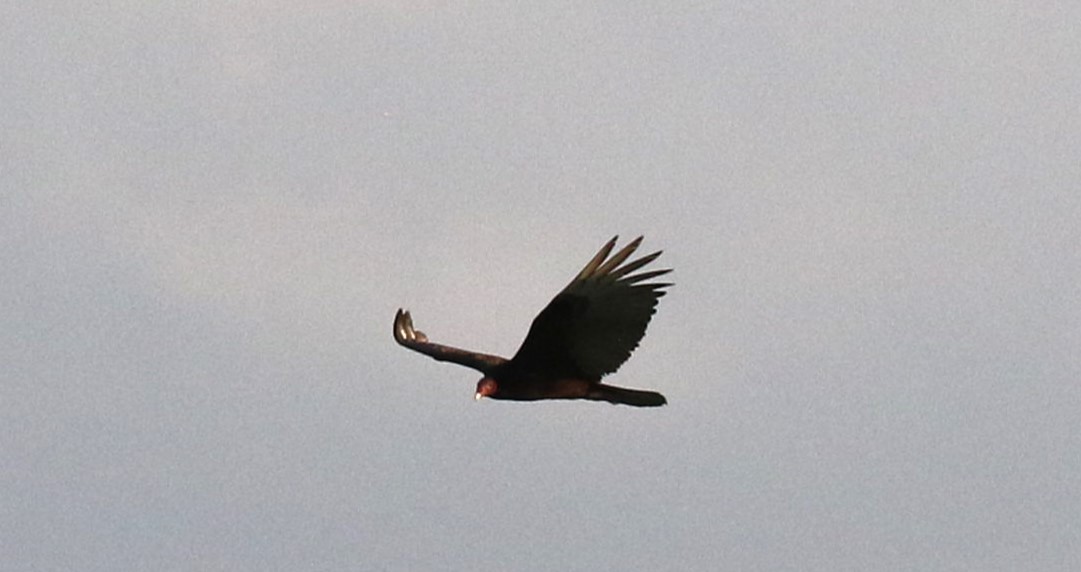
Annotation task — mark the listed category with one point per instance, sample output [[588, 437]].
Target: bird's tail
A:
[[635, 397]]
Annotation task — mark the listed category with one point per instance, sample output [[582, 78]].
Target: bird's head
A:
[[486, 387]]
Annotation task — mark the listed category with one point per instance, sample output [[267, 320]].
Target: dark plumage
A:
[[586, 332]]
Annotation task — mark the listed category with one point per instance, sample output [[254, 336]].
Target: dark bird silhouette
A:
[[586, 332]]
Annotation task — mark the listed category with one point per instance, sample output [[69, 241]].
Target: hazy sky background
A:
[[210, 212]]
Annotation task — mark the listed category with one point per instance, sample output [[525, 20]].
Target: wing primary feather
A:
[[635, 265], [646, 276], [591, 267], [400, 328], [619, 257]]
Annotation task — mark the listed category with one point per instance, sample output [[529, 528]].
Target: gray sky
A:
[[210, 213]]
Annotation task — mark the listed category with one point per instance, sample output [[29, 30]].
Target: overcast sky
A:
[[211, 211]]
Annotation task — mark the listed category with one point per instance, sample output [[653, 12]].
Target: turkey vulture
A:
[[587, 331]]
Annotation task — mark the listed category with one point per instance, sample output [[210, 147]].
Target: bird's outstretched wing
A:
[[405, 334], [590, 328]]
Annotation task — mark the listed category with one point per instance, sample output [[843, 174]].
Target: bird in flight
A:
[[586, 332]]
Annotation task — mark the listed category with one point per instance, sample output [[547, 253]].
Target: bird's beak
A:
[[477, 396]]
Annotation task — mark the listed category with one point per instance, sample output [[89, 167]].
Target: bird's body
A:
[[532, 386], [587, 331]]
